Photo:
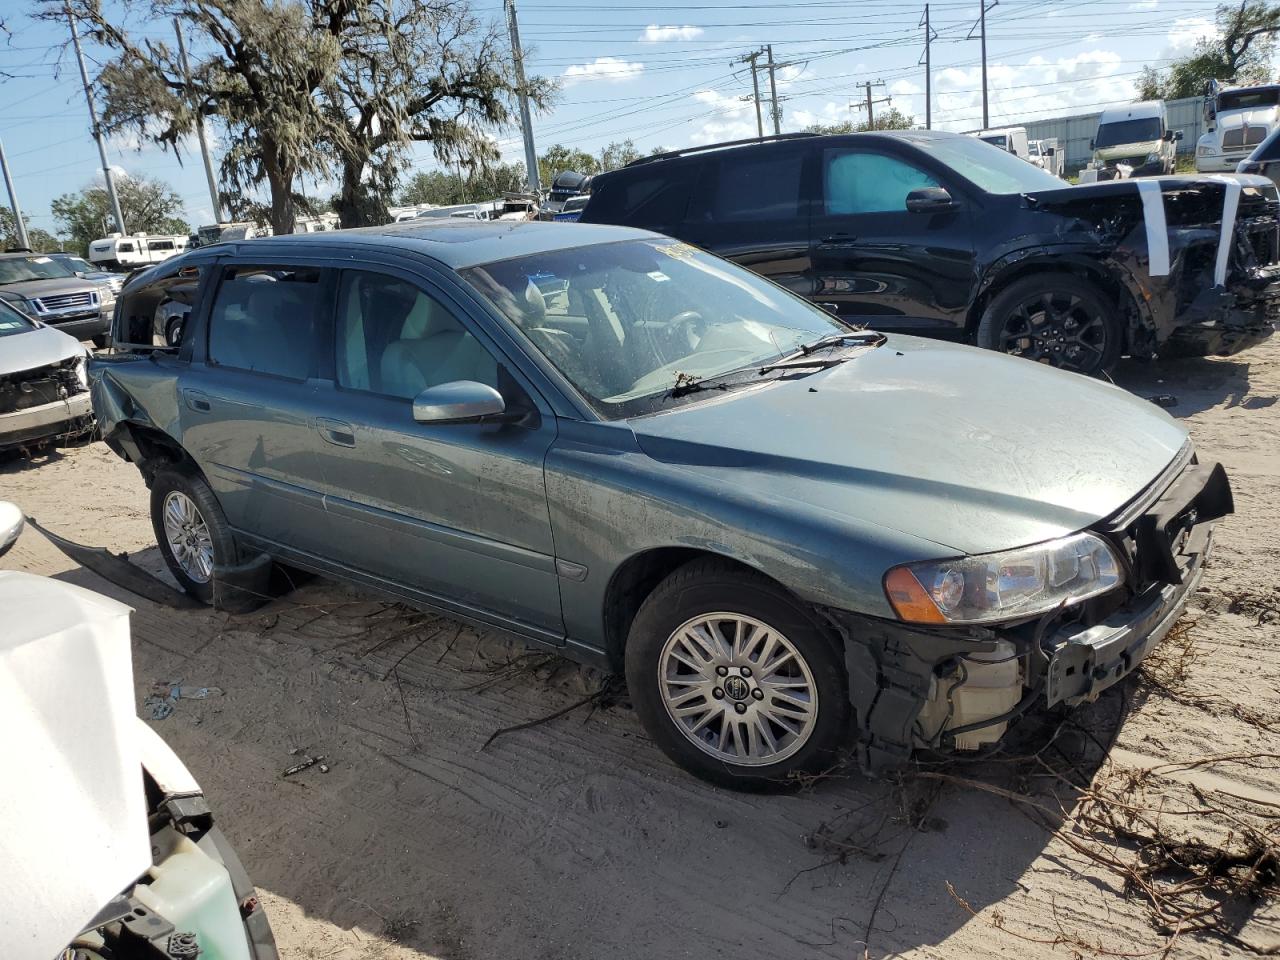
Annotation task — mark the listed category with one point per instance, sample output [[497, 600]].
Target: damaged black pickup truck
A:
[[946, 236]]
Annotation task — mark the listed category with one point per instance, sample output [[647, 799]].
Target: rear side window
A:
[[653, 198], [854, 182], [264, 319], [756, 185], [155, 314]]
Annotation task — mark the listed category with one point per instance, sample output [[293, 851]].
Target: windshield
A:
[[996, 141], [18, 269], [11, 321], [992, 169], [1248, 99], [1127, 131], [626, 322], [1033, 148]]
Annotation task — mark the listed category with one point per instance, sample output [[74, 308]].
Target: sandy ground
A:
[[577, 839]]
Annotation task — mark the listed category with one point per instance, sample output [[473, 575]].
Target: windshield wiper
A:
[[867, 337], [802, 363]]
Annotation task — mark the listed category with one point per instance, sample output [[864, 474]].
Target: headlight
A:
[[1152, 158], [33, 306], [1206, 150], [82, 370], [1004, 586]]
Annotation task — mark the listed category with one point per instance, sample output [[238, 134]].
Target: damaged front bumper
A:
[[1225, 321], [959, 688], [70, 416]]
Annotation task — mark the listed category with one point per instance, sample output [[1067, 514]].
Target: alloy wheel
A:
[[737, 689], [188, 536], [1059, 329]]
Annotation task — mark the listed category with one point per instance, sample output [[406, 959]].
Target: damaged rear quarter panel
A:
[[137, 390]]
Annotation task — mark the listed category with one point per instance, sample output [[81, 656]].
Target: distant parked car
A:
[[943, 235], [47, 288], [109, 844], [572, 209], [1137, 136], [1009, 139], [782, 528], [44, 391]]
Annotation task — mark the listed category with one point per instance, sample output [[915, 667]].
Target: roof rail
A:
[[718, 146]]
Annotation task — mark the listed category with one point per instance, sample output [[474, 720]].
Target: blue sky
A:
[[663, 73]]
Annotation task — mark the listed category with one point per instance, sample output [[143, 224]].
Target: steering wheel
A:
[[687, 328]]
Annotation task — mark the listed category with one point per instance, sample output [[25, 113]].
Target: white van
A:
[[1010, 139], [1136, 136], [115, 251], [1237, 120]]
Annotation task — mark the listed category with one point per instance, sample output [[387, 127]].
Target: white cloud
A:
[[656, 34], [611, 69], [734, 117], [1187, 31], [1144, 5]]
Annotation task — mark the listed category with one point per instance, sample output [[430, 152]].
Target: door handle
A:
[[337, 432], [197, 400]]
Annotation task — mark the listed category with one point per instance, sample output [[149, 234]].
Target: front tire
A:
[[1056, 319], [735, 679], [191, 530]]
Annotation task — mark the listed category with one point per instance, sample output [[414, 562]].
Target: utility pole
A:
[[526, 124], [773, 93], [982, 24], [204, 142], [19, 224], [870, 103], [97, 131], [929, 34], [755, 88]]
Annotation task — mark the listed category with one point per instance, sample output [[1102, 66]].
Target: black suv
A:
[[946, 236]]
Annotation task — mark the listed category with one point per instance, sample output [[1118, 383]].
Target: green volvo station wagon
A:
[[799, 539]]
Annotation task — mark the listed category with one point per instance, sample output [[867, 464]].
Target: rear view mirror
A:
[[930, 200], [1091, 146], [11, 524], [459, 401]]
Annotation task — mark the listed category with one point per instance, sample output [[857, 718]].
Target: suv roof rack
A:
[[718, 146]]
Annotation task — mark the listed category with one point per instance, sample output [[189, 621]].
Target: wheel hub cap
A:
[[1058, 329], [738, 689], [188, 536]]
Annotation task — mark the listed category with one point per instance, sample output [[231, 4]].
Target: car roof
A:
[[1133, 111], [456, 243]]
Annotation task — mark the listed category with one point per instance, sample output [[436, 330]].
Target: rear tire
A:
[[736, 680], [191, 530], [1056, 319]]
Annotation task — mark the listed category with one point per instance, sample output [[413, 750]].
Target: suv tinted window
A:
[[652, 198], [855, 182], [393, 339], [756, 185], [264, 319]]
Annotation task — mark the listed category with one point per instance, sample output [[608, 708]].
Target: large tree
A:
[[1241, 53], [890, 119], [558, 159], [148, 206], [444, 188], [415, 72]]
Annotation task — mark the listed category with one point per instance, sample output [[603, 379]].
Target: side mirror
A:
[[11, 524], [1091, 146], [80, 274], [930, 200], [1052, 151], [458, 402], [1177, 134]]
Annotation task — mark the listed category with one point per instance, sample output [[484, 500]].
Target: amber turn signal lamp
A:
[[910, 601]]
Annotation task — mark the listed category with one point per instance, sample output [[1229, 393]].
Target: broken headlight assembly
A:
[[1010, 585]]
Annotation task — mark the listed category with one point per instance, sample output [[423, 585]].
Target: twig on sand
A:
[[606, 690]]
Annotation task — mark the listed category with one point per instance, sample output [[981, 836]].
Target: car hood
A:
[[49, 288], [38, 348], [1259, 116], [970, 449], [73, 803]]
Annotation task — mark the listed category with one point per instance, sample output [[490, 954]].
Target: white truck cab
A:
[[1011, 139], [1237, 120], [1135, 136]]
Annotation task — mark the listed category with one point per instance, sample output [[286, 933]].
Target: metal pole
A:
[[928, 72], [23, 240], [204, 142], [526, 125], [97, 131], [871, 120], [773, 94], [755, 87], [986, 120]]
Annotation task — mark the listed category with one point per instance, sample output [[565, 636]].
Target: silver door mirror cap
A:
[[457, 402], [11, 524]]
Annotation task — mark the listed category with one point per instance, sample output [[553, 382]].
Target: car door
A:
[[752, 207], [454, 512], [878, 262], [246, 399]]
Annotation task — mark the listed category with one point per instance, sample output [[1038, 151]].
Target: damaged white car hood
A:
[[73, 818], [37, 348]]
